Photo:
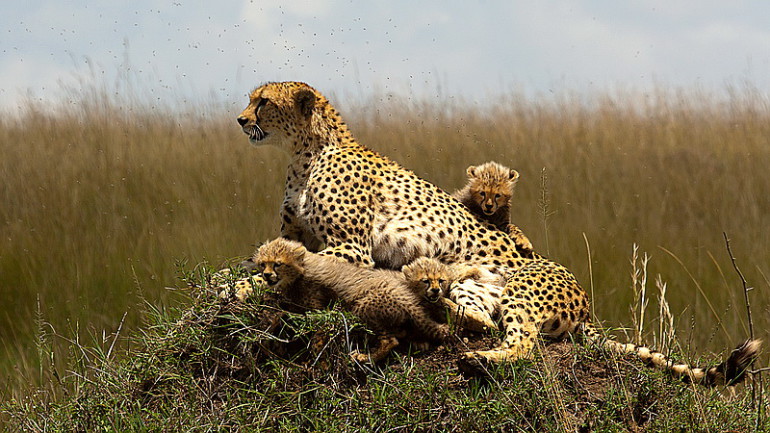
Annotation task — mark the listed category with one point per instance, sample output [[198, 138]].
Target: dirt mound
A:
[[250, 337], [253, 365]]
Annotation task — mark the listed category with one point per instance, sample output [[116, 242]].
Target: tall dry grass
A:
[[102, 196]]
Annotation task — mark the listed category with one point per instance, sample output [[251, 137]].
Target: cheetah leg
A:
[[529, 303], [470, 318], [518, 344], [519, 238], [427, 326], [290, 230], [521, 320], [385, 343], [243, 290]]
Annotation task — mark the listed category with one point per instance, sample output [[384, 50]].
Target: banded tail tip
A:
[[734, 368]]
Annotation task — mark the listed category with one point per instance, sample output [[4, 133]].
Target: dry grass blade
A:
[[716, 316]]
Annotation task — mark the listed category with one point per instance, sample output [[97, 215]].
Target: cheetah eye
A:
[[442, 282], [425, 281], [277, 265], [262, 102], [483, 194], [497, 195]]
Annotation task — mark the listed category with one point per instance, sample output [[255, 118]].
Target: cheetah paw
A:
[[359, 357], [495, 355], [243, 293], [524, 244]]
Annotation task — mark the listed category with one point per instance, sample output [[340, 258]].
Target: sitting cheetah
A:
[[366, 209], [380, 298], [488, 196]]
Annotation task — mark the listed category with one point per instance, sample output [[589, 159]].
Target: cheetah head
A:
[[279, 112], [280, 262], [428, 278], [491, 186]]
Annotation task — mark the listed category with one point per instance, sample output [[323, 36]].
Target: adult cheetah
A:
[[366, 209]]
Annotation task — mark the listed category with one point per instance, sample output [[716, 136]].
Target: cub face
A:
[[277, 111], [428, 278], [489, 198], [491, 186], [280, 262]]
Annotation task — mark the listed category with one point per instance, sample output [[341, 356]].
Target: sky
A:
[[202, 49]]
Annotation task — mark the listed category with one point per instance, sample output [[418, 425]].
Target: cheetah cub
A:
[[488, 196], [380, 298], [279, 267], [432, 279]]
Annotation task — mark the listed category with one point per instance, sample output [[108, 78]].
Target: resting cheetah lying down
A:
[[366, 209], [279, 267], [382, 299], [488, 196]]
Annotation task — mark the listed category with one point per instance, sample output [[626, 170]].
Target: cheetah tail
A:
[[730, 372]]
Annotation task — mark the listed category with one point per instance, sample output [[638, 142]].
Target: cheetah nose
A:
[[432, 293], [269, 277], [242, 120]]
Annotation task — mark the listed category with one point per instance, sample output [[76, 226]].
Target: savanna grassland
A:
[[103, 199]]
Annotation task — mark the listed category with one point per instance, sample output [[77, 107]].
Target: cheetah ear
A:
[[299, 251], [513, 175], [471, 171], [305, 102], [474, 273]]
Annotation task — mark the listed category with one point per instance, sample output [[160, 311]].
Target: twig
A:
[[639, 284], [746, 290]]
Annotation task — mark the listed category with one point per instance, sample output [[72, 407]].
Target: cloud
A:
[[416, 49], [22, 71]]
